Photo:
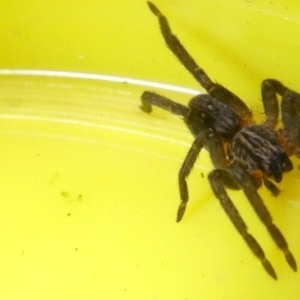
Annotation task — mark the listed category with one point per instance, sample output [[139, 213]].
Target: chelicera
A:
[[245, 155]]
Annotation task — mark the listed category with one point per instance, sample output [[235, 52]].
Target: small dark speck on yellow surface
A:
[[64, 194]]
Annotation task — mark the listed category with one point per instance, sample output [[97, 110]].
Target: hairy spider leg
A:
[[151, 98], [273, 188], [215, 90], [217, 154], [269, 87], [215, 178], [290, 108], [245, 181], [186, 168]]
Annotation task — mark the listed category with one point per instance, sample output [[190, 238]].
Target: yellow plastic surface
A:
[[89, 183]]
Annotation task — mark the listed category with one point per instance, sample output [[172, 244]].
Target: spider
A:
[[245, 155]]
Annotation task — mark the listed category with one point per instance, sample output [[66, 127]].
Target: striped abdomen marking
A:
[[258, 148]]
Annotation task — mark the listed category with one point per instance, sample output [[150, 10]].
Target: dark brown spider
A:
[[244, 154]]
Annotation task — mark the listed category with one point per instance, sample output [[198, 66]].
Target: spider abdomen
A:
[[258, 147]]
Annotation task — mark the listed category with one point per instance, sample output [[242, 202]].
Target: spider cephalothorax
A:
[[244, 154]]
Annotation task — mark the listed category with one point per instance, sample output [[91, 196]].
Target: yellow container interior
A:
[[89, 183]]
